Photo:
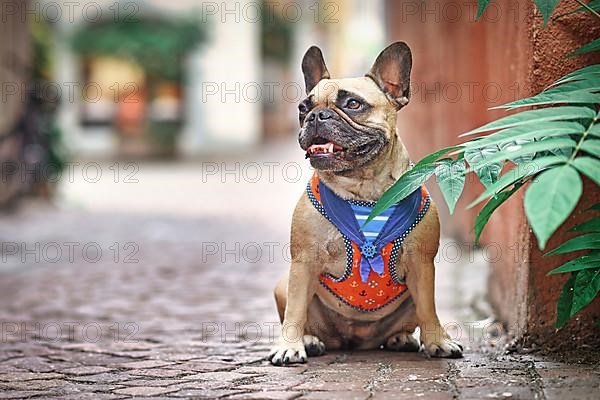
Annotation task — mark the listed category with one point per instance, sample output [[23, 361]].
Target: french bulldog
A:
[[348, 131]]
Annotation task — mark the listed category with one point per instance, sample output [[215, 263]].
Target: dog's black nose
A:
[[325, 114]]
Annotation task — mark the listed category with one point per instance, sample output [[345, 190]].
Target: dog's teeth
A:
[[327, 148]]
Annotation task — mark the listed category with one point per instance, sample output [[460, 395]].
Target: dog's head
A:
[[348, 123]]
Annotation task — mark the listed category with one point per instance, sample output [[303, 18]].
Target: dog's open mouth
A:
[[322, 147]]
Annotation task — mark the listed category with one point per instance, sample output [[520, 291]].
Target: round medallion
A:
[[368, 249]]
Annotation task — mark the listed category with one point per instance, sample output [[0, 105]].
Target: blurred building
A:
[[206, 108], [239, 87]]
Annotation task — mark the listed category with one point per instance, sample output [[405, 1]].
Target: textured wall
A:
[[543, 291], [461, 68]]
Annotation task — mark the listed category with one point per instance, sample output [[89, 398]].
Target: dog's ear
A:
[[313, 68], [391, 72]]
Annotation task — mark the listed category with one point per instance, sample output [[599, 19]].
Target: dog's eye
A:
[[353, 104], [302, 108]]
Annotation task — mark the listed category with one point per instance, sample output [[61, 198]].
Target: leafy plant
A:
[[544, 151]]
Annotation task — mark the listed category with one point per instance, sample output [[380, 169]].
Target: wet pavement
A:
[[162, 288]]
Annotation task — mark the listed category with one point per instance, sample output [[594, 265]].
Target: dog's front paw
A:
[[446, 348], [287, 353]]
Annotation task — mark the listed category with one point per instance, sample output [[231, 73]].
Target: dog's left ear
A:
[[391, 72]]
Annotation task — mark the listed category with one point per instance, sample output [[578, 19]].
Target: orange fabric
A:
[[379, 290], [314, 187]]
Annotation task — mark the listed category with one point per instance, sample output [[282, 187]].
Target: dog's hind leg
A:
[[280, 293], [402, 328], [313, 345], [402, 341]]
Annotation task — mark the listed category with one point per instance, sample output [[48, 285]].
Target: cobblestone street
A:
[[163, 289]]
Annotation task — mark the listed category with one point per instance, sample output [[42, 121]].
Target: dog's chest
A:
[[332, 252]]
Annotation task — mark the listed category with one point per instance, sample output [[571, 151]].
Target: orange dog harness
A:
[[354, 288]]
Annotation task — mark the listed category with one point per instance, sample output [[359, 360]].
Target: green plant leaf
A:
[[586, 48], [591, 147], [481, 6], [589, 72], [594, 130], [587, 285], [564, 113], [565, 302], [518, 173], [522, 159], [594, 5], [451, 180], [592, 225], [413, 178], [537, 131], [513, 152], [579, 96], [581, 90], [588, 166], [546, 7], [560, 151], [585, 83], [405, 185], [487, 174], [589, 241], [486, 212], [595, 207], [591, 78], [550, 199], [583, 262], [433, 157]]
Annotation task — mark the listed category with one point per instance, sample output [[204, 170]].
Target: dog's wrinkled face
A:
[[348, 123]]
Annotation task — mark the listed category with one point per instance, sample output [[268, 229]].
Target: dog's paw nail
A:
[[287, 354], [275, 360]]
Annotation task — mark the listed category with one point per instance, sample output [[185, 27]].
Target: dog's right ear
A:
[[391, 72], [313, 68]]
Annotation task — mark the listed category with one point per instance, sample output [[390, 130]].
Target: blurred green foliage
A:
[[277, 34], [157, 45], [42, 39]]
